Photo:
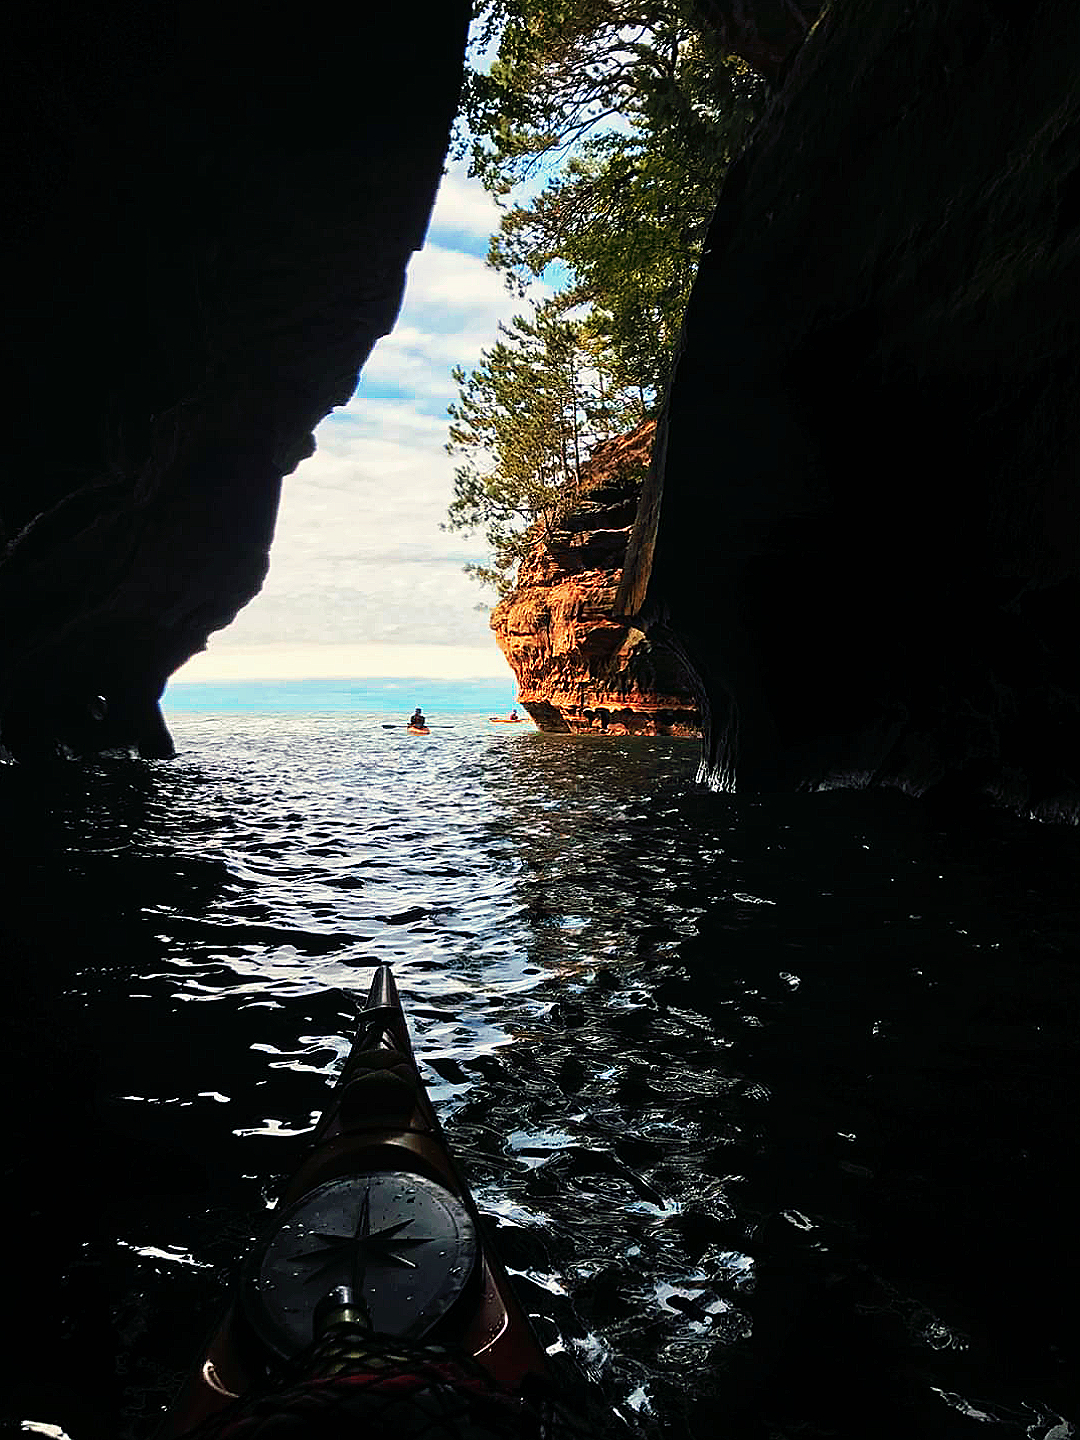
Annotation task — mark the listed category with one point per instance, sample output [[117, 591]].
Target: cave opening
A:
[[750, 1086]]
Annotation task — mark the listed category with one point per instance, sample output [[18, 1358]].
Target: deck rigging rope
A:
[[355, 1385]]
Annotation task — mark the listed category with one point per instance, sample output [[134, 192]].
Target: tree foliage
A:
[[524, 424], [622, 117], [565, 69], [632, 113]]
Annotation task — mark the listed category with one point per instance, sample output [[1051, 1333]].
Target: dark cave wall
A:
[[861, 528], [211, 211], [867, 466], [766, 33]]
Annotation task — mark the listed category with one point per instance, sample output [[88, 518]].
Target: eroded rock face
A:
[[766, 33], [579, 668], [863, 523], [212, 214]]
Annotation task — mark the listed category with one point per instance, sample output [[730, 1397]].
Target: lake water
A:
[[772, 1102]]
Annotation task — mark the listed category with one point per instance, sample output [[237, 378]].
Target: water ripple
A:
[[749, 1090]]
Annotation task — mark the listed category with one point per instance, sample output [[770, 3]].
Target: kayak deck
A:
[[379, 1206]]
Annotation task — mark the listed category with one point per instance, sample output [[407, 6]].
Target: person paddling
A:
[[416, 719]]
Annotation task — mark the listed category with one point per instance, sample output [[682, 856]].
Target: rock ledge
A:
[[579, 669]]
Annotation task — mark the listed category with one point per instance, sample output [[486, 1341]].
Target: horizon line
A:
[[347, 680]]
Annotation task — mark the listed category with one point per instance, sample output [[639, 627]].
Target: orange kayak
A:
[[377, 1213]]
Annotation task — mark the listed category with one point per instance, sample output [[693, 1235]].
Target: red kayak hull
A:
[[489, 1324]]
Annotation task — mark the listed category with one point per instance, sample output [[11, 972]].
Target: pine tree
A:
[[633, 114], [524, 424]]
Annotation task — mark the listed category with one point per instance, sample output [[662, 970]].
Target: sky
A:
[[362, 580]]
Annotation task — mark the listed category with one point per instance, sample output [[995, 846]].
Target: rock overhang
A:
[[863, 522], [217, 209]]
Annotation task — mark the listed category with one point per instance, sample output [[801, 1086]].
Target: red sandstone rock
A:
[[577, 667]]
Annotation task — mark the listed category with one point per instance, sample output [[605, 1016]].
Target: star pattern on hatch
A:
[[364, 1246]]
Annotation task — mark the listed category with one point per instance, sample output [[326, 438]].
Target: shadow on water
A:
[[90, 875], [80, 861], [772, 1104], [837, 1046]]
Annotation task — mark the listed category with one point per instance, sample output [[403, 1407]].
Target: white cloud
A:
[[452, 281], [453, 306], [464, 208], [359, 568], [359, 558], [346, 662]]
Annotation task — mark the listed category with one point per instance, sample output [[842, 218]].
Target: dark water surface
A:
[[773, 1103]]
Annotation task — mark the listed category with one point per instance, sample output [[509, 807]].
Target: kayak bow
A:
[[377, 1206]]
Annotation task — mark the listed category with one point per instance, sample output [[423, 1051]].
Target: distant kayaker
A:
[[416, 719]]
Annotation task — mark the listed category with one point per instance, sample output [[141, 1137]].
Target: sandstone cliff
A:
[[579, 668]]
